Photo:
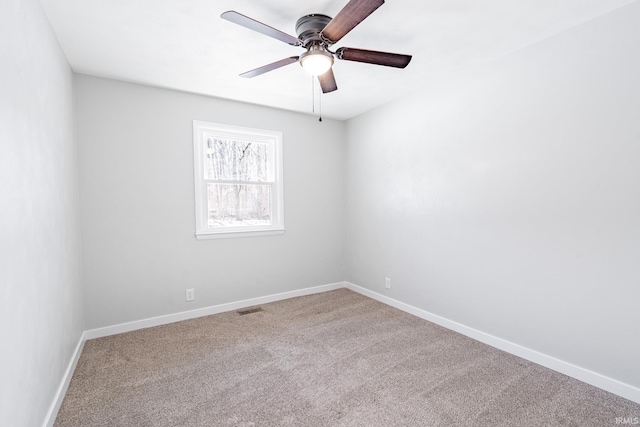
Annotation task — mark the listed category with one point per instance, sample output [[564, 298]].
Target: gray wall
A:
[[506, 198], [140, 253], [41, 315]]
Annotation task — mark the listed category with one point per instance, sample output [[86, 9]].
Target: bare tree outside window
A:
[[229, 160], [235, 204], [238, 181], [238, 205]]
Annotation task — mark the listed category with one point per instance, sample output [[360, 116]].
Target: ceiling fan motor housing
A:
[[308, 28]]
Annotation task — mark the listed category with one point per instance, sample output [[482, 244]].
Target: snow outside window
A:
[[238, 181]]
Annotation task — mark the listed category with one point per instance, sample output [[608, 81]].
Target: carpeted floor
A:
[[331, 359]]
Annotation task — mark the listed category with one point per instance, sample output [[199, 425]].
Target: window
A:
[[238, 181]]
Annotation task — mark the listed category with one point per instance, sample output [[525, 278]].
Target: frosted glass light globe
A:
[[316, 61]]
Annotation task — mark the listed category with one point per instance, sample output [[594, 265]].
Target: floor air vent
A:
[[249, 311]]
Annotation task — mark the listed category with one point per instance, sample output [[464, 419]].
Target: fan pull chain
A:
[[313, 99]]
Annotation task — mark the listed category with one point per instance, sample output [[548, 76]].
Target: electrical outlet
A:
[[190, 295], [387, 283]]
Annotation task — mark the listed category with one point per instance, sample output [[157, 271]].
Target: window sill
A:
[[230, 234]]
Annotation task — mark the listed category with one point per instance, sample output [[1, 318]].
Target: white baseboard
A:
[[64, 384], [163, 320], [206, 311], [598, 380], [609, 384]]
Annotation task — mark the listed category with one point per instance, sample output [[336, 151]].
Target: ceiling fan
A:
[[316, 33]]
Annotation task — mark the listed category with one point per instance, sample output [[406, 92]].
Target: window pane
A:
[[231, 160], [238, 205]]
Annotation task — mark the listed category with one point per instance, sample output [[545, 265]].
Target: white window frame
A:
[[201, 131]]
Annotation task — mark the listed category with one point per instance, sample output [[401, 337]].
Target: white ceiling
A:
[[185, 45]]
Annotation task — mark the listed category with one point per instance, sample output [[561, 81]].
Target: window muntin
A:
[[238, 181]]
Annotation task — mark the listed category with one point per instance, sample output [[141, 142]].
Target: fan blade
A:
[[373, 57], [269, 67], [252, 24], [351, 15], [328, 81]]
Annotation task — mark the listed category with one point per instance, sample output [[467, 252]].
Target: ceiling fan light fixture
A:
[[316, 61]]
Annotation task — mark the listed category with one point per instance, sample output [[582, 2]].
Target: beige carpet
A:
[[331, 359]]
